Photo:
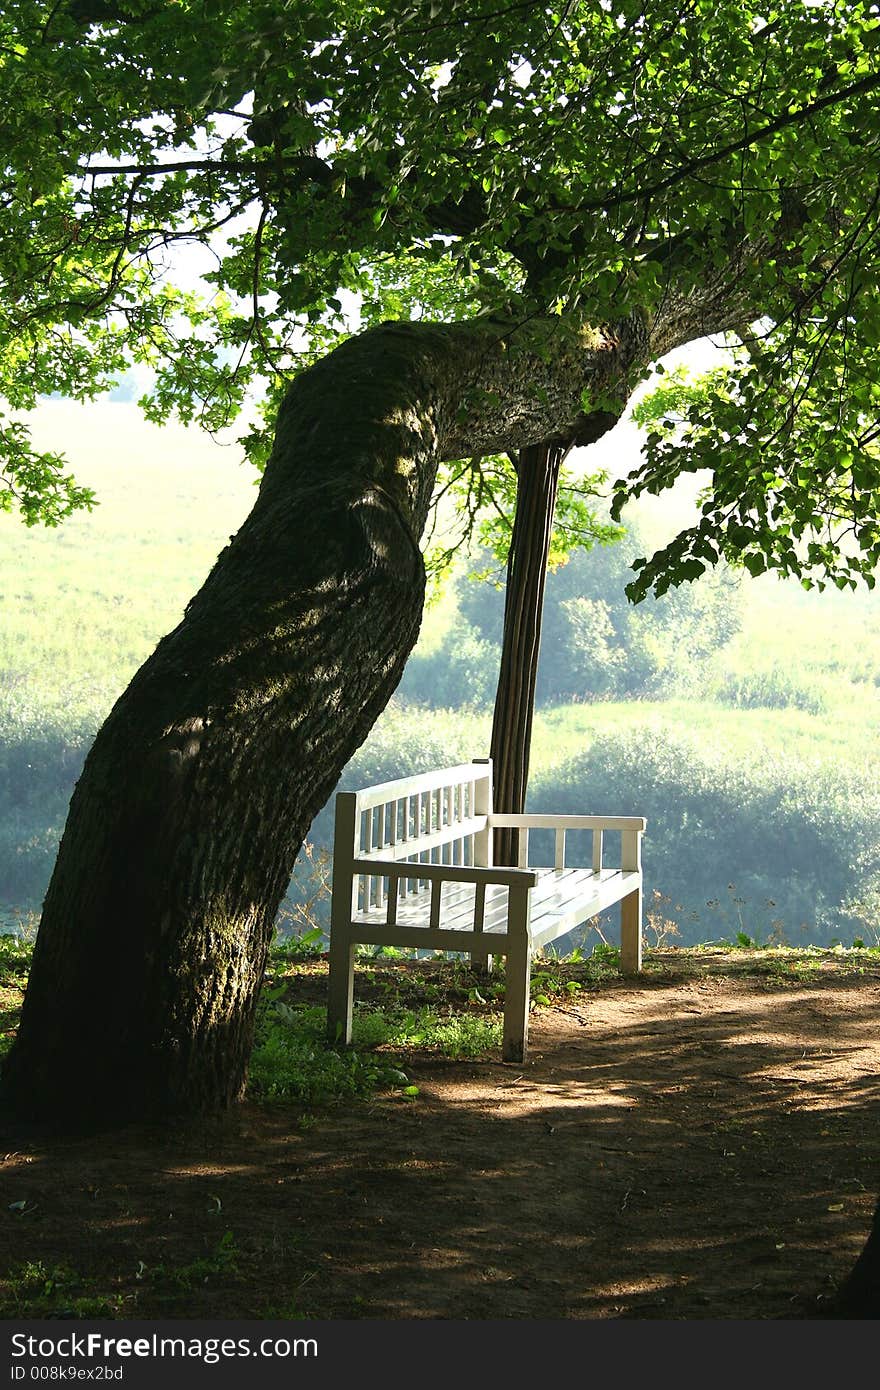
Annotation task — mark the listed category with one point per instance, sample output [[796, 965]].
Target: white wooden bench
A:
[[412, 866]]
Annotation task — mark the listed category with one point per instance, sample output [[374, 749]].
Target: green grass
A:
[[86, 603], [293, 1061], [566, 730], [37, 1290]]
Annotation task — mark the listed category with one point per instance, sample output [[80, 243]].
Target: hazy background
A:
[[739, 716]]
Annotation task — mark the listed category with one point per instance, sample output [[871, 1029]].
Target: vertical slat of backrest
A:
[[434, 919], [469, 814], [597, 851], [406, 883], [479, 906], [380, 882], [391, 906], [460, 844], [483, 807], [408, 808], [522, 861], [559, 857], [344, 901], [369, 881], [403, 812], [412, 810], [436, 824], [630, 850]]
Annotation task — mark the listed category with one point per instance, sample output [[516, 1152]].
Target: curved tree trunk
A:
[[202, 783]]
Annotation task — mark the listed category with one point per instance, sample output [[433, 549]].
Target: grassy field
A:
[[84, 605]]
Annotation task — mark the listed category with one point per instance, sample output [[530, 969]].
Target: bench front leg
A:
[[631, 933], [516, 987], [481, 959], [340, 987]]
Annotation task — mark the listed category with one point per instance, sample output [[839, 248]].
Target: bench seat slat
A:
[[570, 895]]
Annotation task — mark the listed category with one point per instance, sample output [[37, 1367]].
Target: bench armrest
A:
[[540, 822], [456, 873]]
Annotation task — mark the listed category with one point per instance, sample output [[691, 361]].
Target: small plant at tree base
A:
[[308, 946]]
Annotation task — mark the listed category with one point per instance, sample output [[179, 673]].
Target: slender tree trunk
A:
[[537, 474], [537, 480], [201, 785]]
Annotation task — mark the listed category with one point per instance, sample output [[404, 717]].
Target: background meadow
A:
[[740, 716]]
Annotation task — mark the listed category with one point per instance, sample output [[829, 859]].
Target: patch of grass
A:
[[555, 978], [293, 1061], [462, 1034], [222, 1261], [37, 1290], [16, 953], [15, 960]]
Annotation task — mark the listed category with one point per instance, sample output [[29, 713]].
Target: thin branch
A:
[[791, 118]]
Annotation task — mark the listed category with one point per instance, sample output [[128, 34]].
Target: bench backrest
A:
[[438, 817]]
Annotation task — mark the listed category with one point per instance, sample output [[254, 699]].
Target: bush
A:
[[770, 840], [463, 673]]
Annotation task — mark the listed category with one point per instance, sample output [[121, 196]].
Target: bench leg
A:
[[631, 933], [516, 997], [340, 990]]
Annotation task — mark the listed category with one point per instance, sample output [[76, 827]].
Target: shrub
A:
[[462, 673], [796, 843]]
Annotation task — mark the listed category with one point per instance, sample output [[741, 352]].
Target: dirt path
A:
[[702, 1145]]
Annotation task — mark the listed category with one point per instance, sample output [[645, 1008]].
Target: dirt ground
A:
[[703, 1144]]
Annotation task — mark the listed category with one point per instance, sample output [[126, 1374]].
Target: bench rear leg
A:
[[340, 989], [516, 985], [631, 933], [481, 962]]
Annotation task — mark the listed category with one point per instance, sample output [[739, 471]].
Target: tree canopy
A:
[[711, 164], [424, 234]]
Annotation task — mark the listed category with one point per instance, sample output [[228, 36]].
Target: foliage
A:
[[578, 164], [37, 1290], [594, 643], [484, 493]]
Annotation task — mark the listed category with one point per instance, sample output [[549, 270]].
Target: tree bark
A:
[[859, 1295], [201, 785], [537, 480], [537, 472]]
